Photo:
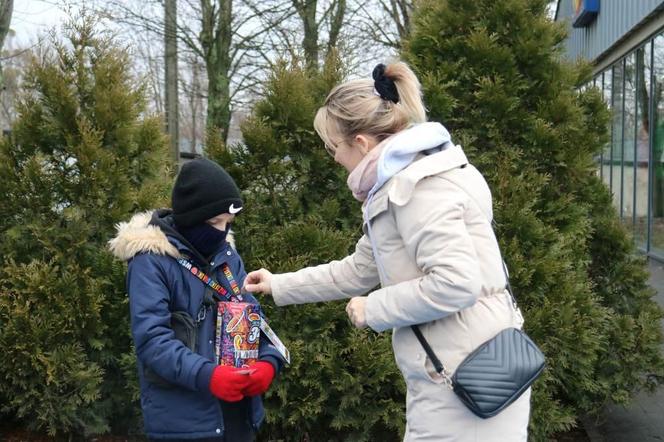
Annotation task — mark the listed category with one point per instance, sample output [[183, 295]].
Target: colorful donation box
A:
[[238, 333]]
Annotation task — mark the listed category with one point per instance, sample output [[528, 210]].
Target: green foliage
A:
[[82, 156], [492, 73], [343, 383]]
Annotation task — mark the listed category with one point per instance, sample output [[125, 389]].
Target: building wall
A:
[[615, 21], [625, 43]]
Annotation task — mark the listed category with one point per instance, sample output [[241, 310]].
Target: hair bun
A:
[[384, 85]]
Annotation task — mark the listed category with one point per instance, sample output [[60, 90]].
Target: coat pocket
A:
[[431, 373], [185, 330], [152, 377], [451, 339]]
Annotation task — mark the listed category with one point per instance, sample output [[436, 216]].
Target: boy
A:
[[184, 394]]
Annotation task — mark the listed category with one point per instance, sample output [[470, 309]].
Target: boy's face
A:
[[221, 221]]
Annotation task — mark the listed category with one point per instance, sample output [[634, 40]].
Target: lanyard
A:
[[214, 285], [236, 296]]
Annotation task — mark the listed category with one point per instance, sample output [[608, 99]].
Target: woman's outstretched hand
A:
[[258, 281]]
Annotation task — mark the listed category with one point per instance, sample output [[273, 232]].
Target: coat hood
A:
[[149, 232], [402, 149], [139, 236]]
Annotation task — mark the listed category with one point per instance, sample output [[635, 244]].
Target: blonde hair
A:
[[355, 108]]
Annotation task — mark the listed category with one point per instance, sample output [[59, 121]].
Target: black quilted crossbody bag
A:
[[497, 373]]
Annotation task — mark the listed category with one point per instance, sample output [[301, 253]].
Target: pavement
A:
[[643, 419]]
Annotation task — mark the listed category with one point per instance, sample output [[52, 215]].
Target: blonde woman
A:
[[427, 240]]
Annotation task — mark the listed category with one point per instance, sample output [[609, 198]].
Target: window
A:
[[597, 83], [628, 142], [617, 134], [657, 152], [632, 162], [642, 148], [606, 155]]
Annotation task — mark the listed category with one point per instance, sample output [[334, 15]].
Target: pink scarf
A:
[[362, 179]]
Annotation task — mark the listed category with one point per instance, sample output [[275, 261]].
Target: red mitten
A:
[[227, 383], [260, 379]]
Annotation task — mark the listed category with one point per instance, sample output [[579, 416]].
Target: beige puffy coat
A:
[[438, 265]]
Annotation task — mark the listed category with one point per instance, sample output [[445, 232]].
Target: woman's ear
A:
[[364, 142]]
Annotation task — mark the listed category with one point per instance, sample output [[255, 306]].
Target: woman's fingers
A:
[[258, 281], [252, 281], [355, 311]]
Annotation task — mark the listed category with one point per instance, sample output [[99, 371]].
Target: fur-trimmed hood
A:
[[141, 235]]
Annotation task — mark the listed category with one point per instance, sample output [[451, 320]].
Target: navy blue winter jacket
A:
[[174, 380]]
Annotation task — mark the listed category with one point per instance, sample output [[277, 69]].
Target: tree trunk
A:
[[216, 37], [401, 12], [6, 9], [171, 77], [193, 102], [306, 9], [336, 24]]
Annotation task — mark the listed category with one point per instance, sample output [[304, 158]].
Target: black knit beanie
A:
[[203, 190]]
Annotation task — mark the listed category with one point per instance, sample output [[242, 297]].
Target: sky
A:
[[32, 18]]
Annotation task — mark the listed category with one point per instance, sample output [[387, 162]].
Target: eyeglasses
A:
[[330, 149]]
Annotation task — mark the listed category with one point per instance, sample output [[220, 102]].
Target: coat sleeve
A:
[[433, 230], [154, 339], [266, 351], [354, 275]]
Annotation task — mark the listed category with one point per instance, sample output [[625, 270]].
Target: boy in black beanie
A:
[[184, 394], [205, 200]]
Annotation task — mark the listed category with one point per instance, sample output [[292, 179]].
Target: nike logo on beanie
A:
[[232, 210]]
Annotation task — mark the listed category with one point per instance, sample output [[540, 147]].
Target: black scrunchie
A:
[[385, 86]]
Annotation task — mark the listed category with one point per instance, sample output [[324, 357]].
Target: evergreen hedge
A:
[[493, 73], [82, 156], [343, 383]]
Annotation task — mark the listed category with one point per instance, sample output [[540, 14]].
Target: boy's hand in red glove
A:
[[260, 379], [227, 383]]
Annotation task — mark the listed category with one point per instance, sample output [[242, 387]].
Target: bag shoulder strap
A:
[[427, 348]]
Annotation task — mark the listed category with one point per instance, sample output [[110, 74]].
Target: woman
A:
[[427, 240]]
